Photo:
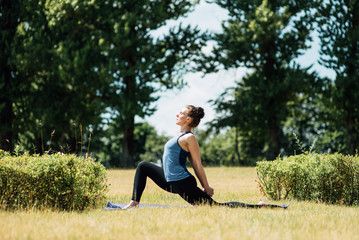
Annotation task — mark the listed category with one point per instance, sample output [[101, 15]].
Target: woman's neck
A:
[[185, 129]]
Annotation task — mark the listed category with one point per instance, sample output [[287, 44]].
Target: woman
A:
[[174, 176]]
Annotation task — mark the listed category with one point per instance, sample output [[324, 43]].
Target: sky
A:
[[200, 89]]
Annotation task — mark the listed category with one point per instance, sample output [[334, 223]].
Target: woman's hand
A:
[[209, 191]]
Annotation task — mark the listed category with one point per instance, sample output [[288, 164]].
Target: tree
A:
[[48, 75], [66, 63], [265, 37], [150, 144], [59, 57], [339, 34], [221, 148], [10, 18], [70, 101], [140, 65]]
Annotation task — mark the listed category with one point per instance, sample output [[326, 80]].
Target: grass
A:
[[302, 220]]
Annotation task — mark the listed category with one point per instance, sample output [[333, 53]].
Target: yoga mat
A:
[[119, 206], [244, 205]]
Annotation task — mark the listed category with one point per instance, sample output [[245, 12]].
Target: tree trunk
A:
[[128, 120], [273, 79], [128, 144], [240, 161], [351, 135], [274, 143]]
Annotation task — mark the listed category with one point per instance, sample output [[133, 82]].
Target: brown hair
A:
[[196, 113]]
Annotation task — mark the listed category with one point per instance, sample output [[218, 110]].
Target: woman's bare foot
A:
[[132, 204]]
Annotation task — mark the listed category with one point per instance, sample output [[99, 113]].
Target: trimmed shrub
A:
[[328, 178], [64, 182]]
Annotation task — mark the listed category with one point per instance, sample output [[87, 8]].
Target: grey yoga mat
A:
[[119, 206]]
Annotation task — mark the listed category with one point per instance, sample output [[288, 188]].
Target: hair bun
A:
[[196, 113], [200, 112]]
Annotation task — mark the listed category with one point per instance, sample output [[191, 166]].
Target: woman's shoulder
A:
[[190, 137]]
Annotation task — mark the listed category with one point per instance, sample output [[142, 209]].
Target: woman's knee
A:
[[143, 166]]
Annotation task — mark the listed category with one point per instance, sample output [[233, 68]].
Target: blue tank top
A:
[[174, 160]]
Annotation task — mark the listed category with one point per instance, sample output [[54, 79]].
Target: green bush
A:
[[64, 182], [328, 178]]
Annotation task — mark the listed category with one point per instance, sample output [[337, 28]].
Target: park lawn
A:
[[302, 220]]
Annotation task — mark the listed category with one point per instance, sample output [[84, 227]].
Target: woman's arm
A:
[[195, 160]]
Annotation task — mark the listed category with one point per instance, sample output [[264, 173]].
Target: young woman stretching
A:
[[174, 176]]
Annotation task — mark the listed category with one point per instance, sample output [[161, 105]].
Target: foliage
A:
[[328, 178], [79, 72], [308, 120], [52, 69], [217, 150], [137, 65], [150, 144], [65, 64], [63, 182], [147, 142], [338, 27], [10, 17], [222, 149], [266, 37]]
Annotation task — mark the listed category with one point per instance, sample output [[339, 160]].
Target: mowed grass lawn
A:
[[302, 220]]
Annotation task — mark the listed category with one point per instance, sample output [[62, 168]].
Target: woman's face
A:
[[181, 117]]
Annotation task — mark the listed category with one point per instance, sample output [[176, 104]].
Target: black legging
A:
[[186, 188]]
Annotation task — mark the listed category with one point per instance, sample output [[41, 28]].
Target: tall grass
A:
[[302, 220]]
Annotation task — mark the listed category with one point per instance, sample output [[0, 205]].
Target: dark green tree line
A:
[[53, 76], [140, 65], [339, 34], [67, 63], [10, 18], [266, 37], [69, 69]]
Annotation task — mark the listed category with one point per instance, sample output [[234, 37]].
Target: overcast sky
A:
[[202, 89]]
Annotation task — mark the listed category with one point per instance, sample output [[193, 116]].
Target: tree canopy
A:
[[80, 73], [67, 64], [266, 37], [339, 35]]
